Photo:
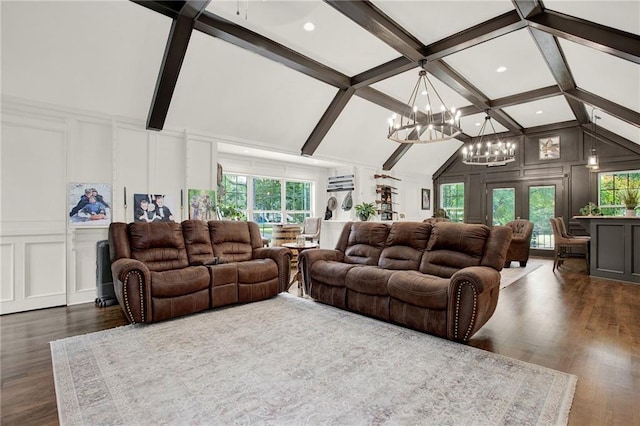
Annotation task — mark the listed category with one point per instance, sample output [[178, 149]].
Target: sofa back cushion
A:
[[159, 245], [453, 246], [404, 246], [497, 246], [119, 247], [362, 242], [198, 242], [231, 240]]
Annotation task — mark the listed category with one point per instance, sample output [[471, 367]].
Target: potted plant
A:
[[365, 211], [590, 209], [630, 198]]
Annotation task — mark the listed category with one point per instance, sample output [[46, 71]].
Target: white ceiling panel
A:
[[432, 20], [359, 135], [471, 125], [97, 56], [246, 96], [427, 158], [604, 75], [541, 112], [245, 151], [624, 14], [526, 69], [618, 126], [333, 41]]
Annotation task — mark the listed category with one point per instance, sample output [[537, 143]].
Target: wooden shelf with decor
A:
[[386, 192]]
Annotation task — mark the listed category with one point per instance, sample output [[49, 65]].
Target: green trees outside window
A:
[[452, 200], [610, 186]]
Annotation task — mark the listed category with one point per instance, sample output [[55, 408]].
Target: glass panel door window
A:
[[452, 200], [503, 206], [298, 201], [542, 207], [267, 202]]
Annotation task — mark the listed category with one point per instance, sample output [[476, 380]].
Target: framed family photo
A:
[[89, 204], [153, 208], [426, 199]]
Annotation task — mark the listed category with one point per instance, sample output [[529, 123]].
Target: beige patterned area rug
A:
[[293, 361], [513, 274]]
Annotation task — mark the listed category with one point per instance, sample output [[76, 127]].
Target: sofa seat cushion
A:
[[331, 272], [179, 282], [257, 271], [369, 280], [415, 288]]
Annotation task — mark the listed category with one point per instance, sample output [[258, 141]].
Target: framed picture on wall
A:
[[153, 208], [202, 204], [426, 199], [549, 148], [89, 204]]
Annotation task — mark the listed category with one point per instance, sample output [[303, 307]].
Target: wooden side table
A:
[[299, 249]]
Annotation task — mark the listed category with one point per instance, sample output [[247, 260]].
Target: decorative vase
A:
[[630, 213], [363, 217]]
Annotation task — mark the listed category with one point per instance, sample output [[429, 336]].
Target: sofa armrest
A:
[[282, 257], [131, 280], [308, 257], [473, 296]]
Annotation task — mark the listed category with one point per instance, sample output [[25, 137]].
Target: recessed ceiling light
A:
[[477, 124], [539, 112], [309, 26], [501, 69]]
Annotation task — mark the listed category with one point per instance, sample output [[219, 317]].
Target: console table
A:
[[615, 246], [299, 248]]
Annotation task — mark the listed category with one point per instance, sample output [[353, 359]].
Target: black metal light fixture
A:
[[419, 123], [491, 153], [592, 160]]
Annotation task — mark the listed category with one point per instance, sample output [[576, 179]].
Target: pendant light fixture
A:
[[492, 153], [592, 160]]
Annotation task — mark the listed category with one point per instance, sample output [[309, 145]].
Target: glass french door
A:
[[535, 201]]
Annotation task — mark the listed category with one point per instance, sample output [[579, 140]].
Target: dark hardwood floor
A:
[[565, 320]]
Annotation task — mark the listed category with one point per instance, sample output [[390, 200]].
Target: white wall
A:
[[45, 261]]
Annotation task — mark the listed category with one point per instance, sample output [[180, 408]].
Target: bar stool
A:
[[562, 245]]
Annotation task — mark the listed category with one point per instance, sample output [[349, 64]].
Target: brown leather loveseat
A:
[[163, 270], [440, 278]]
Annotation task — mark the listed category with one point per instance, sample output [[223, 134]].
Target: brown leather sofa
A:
[[440, 278], [164, 270], [520, 242]]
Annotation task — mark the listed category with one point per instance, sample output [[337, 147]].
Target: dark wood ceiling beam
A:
[[488, 30], [396, 156], [448, 76], [605, 39], [381, 72], [223, 29], [329, 117], [527, 8], [557, 64], [174, 54], [380, 25], [521, 98], [611, 108], [167, 8]]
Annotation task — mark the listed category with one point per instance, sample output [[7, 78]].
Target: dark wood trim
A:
[[329, 117], [550, 127], [485, 31], [605, 39], [174, 54], [607, 137], [618, 111], [193, 8], [223, 29], [380, 25]]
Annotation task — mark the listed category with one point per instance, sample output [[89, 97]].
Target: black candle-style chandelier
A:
[[492, 153], [419, 123]]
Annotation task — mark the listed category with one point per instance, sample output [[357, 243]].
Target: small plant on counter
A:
[[630, 198], [590, 209]]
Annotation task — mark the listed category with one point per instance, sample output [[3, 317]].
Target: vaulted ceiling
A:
[[247, 71]]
